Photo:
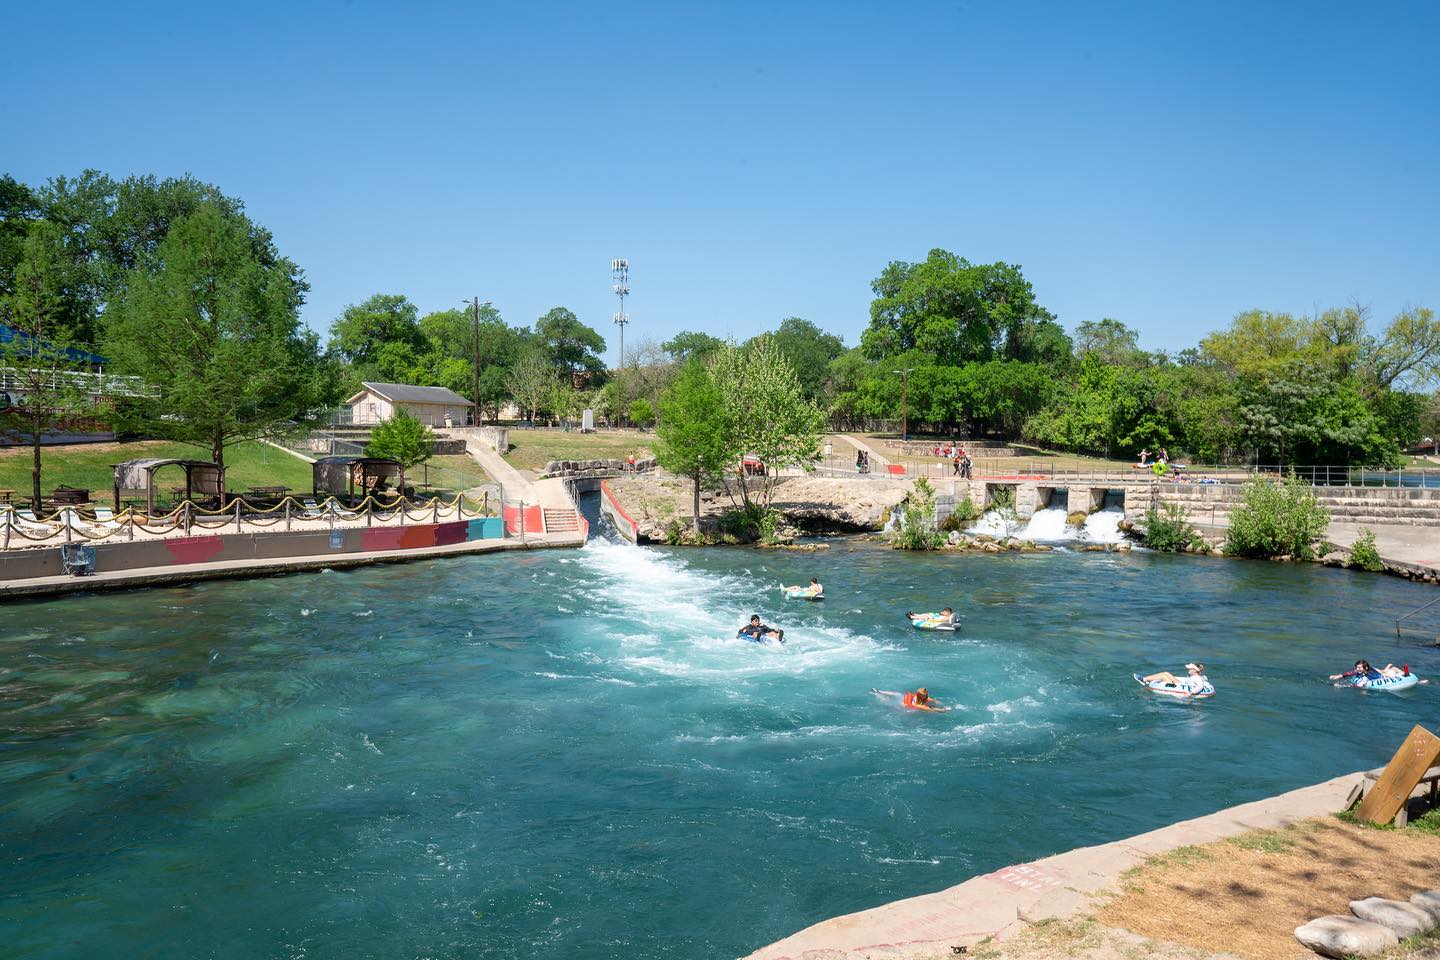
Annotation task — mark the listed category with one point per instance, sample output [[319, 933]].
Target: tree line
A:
[[170, 281]]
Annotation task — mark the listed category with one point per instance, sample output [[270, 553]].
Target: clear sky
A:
[[1166, 164]]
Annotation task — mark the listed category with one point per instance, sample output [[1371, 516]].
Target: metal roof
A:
[[406, 393], [23, 340]]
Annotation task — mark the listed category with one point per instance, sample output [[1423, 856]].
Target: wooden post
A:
[[287, 513], [1402, 774], [238, 501]]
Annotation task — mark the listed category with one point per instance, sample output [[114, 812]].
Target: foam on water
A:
[[1048, 525], [1103, 526], [1000, 524]]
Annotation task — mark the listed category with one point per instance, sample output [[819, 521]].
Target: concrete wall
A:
[[45, 562], [611, 508]]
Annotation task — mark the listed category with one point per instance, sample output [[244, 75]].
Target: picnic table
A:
[[70, 496], [5, 495], [271, 491]]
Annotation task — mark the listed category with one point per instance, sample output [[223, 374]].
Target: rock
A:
[[954, 537], [1077, 519], [1333, 559], [1337, 936], [1429, 900], [1217, 552], [1123, 547], [1094, 548], [984, 538], [990, 546], [1406, 919]]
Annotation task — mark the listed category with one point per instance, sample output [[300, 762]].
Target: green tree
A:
[[690, 345], [379, 338], [401, 437], [570, 345], [694, 442], [641, 412], [1111, 340], [765, 415], [917, 529], [955, 311], [218, 332], [529, 381], [810, 351], [38, 359]]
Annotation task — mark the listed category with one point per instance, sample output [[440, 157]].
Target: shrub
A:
[[1276, 518], [964, 514], [917, 520], [749, 524], [1363, 553], [1168, 530]]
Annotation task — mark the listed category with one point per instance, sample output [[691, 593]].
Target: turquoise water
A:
[[487, 756]]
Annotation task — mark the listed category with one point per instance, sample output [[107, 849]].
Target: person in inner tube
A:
[[755, 630], [947, 618], [1193, 683]]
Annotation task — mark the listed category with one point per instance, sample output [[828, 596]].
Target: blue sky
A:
[[1167, 164]]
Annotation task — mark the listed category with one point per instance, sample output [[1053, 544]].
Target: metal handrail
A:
[[1412, 613]]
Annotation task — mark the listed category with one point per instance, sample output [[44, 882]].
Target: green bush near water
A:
[[1363, 553], [917, 520], [964, 514], [1276, 518], [1168, 530]]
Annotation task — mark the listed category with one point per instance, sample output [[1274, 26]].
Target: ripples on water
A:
[[486, 756]]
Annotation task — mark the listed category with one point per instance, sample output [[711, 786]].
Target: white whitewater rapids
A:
[[1052, 526]]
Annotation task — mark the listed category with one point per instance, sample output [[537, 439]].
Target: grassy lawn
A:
[[89, 466], [532, 449], [447, 475]]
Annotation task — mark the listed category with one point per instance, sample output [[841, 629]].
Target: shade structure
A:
[[356, 477], [202, 479]]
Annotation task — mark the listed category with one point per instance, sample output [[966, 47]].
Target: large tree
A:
[[956, 311], [810, 351], [693, 440], [379, 338], [217, 330], [571, 346], [529, 381], [765, 415], [39, 360]]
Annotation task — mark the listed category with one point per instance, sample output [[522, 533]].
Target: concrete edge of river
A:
[[173, 574], [1002, 903]]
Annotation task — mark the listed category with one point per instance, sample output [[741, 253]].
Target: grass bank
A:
[[532, 449], [90, 466]]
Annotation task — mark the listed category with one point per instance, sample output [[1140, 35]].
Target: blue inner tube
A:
[[1385, 683]]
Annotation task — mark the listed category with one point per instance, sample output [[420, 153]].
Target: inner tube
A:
[[931, 621], [1171, 690], [1385, 683], [776, 635], [799, 593]]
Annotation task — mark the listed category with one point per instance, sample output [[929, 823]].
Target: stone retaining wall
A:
[[574, 469]]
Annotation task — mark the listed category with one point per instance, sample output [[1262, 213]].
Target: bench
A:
[[1431, 777]]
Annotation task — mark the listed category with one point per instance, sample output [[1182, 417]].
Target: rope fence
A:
[[67, 524]]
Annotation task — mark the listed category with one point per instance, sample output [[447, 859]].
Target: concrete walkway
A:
[[514, 484], [186, 573], [999, 904], [876, 460]]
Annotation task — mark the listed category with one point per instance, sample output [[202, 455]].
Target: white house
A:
[[433, 406]]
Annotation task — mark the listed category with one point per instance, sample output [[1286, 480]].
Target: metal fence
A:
[[1059, 469], [15, 379]]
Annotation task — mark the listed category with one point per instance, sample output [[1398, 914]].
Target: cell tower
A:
[[620, 270]]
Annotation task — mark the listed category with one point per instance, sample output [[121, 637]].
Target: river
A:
[[569, 751]]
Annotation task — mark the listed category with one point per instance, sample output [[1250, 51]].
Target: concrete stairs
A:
[[561, 520]]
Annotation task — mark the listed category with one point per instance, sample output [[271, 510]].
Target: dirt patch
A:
[[1247, 894], [1057, 939]]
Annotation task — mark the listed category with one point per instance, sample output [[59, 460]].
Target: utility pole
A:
[[904, 402], [620, 274], [475, 351]]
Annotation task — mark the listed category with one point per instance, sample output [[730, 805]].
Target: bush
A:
[[1276, 518], [1363, 553], [1168, 530], [641, 412], [751, 524], [917, 520], [964, 514]]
